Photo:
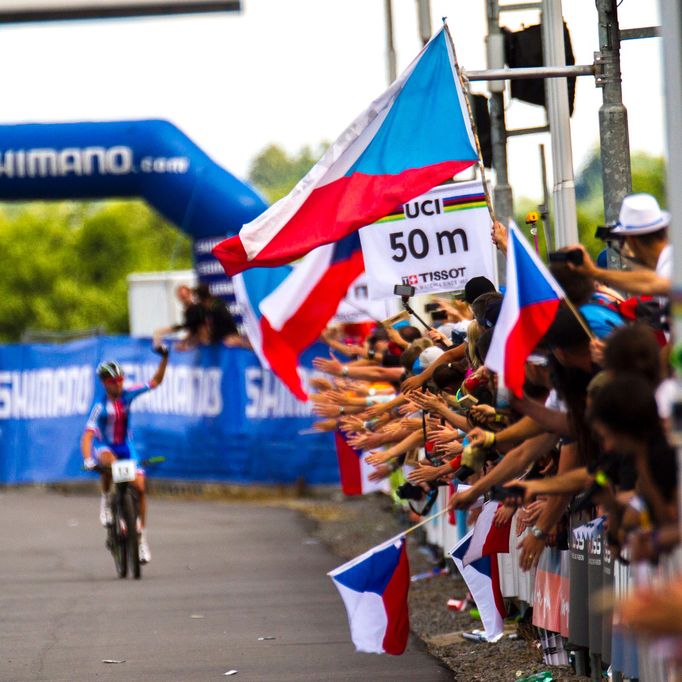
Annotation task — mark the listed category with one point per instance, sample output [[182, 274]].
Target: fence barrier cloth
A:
[[217, 416]]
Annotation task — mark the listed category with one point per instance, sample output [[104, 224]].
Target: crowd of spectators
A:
[[587, 446]]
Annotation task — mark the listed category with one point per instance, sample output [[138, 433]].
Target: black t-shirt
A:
[[221, 321], [194, 317]]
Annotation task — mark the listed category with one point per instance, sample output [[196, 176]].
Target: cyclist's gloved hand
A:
[[161, 349], [90, 463]]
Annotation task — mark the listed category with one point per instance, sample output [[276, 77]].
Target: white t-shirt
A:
[[664, 265]]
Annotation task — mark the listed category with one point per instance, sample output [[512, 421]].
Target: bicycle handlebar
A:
[[145, 462]]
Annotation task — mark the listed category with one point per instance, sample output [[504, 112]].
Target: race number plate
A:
[[123, 470]]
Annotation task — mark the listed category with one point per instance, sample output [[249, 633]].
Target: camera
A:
[[574, 256], [458, 338], [409, 491], [404, 290], [500, 493], [605, 233], [431, 307]]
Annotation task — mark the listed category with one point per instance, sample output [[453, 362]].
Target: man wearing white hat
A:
[[644, 228]]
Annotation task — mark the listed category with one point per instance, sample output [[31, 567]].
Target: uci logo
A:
[[428, 207]]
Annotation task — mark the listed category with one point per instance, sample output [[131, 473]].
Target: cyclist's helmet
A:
[[109, 369]]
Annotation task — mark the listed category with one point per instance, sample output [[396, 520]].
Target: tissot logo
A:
[[434, 276]]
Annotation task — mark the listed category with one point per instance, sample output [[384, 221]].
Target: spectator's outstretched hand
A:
[[654, 611], [381, 472], [411, 383], [423, 473], [329, 365], [377, 458]]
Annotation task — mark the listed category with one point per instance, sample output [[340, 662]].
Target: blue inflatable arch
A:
[[152, 159]]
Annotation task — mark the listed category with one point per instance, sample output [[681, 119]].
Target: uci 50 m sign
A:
[[435, 242]]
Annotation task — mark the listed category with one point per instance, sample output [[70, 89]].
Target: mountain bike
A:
[[123, 533]]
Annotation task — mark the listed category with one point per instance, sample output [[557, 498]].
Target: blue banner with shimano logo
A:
[[218, 416], [150, 159]]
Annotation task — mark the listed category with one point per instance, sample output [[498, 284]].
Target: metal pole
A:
[[390, 47], [613, 117], [502, 192], [530, 72], [424, 19], [556, 89], [671, 20], [544, 208]]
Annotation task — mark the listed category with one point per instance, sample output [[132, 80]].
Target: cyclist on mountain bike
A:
[[106, 437]]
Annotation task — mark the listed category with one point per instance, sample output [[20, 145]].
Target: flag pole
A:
[[388, 542], [472, 122], [580, 319]]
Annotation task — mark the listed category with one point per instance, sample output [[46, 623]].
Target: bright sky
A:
[[294, 72]]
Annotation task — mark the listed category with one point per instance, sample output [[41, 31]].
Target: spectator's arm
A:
[[450, 355], [545, 417], [638, 282], [513, 464], [531, 547]]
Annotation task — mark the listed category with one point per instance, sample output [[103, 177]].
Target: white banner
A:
[[436, 242]]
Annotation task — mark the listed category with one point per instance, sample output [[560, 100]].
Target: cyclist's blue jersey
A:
[[109, 419]]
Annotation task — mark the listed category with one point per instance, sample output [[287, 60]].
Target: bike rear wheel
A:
[[132, 540]]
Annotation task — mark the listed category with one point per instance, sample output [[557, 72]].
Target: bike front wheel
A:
[[117, 545], [132, 539]]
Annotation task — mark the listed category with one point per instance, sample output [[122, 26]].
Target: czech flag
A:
[[354, 471], [415, 136], [291, 316], [487, 538], [530, 304], [374, 590], [483, 580]]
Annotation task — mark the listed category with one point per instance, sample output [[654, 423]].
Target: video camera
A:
[[574, 256]]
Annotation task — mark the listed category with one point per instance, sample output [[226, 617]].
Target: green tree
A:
[[66, 263], [274, 172]]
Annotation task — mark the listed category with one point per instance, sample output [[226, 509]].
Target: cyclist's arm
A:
[[86, 443], [160, 372]]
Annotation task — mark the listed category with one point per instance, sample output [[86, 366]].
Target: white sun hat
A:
[[640, 214]]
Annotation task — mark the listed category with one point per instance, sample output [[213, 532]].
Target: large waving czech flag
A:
[[374, 589], [529, 307], [413, 137]]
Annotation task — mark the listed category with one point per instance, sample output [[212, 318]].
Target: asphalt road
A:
[[222, 576]]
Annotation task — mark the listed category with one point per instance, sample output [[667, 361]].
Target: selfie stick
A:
[[408, 307]]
